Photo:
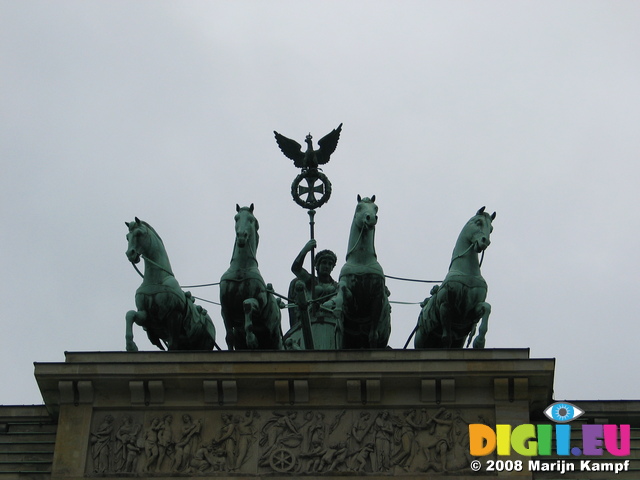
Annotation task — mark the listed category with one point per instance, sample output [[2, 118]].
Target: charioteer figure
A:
[[316, 289], [320, 287]]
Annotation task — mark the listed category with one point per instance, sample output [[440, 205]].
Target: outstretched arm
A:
[[297, 267]]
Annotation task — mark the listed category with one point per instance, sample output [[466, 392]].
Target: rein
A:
[[137, 270], [460, 255], [146, 259], [252, 248], [464, 253], [413, 279], [357, 241]]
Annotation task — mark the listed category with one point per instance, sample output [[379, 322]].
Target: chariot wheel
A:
[[282, 460]]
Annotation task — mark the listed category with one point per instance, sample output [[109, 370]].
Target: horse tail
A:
[[413, 332], [472, 333]]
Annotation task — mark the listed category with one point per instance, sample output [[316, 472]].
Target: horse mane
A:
[[153, 230]]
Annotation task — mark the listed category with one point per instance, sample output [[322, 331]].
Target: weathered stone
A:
[[251, 414]]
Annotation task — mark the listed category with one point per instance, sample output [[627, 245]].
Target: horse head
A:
[[478, 230], [143, 241], [246, 227], [138, 241], [366, 215]]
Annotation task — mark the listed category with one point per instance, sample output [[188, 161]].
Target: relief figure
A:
[[186, 444], [151, 449], [101, 445], [246, 436], [166, 443]]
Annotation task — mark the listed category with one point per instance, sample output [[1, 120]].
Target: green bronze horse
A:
[[251, 313], [458, 304], [168, 314], [362, 301]]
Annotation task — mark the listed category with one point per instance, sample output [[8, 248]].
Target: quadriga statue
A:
[[250, 311], [168, 314], [458, 304]]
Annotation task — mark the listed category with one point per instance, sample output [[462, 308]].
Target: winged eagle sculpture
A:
[[311, 158]]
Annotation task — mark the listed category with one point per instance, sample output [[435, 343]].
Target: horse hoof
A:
[[478, 342], [132, 347]]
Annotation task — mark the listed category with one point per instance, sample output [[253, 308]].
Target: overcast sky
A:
[[166, 111]]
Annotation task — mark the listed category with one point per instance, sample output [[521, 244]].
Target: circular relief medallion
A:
[[311, 189]]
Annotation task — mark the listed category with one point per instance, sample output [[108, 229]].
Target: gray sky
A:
[[165, 111]]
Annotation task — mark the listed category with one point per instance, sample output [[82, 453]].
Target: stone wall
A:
[[309, 414], [27, 440]]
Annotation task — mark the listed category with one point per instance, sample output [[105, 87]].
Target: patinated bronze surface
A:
[[309, 291], [168, 314], [310, 158], [251, 313], [311, 188], [362, 300], [458, 304]]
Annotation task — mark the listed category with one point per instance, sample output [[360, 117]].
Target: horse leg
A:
[[484, 310], [208, 335], [133, 317], [272, 316], [447, 337], [384, 325], [228, 293], [275, 321], [378, 335], [228, 326], [250, 306], [422, 327]]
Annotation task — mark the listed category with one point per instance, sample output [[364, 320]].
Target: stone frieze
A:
[[294, 442]]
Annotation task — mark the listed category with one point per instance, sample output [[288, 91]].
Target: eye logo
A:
[[563, 412]]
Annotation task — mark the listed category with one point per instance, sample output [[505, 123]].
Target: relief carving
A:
[[116, 451], [151, 447], [187, 443], [127, 448], [165, 440], [295, 442], [101, 445], [246, 437]]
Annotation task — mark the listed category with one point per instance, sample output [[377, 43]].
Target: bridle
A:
[[147, 259], [362, 229], [465, 252]]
